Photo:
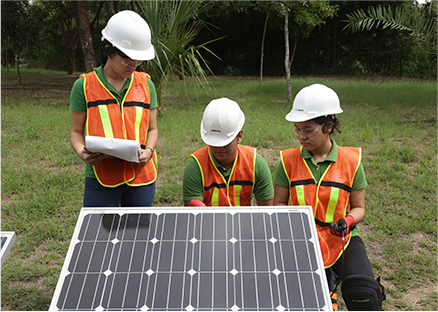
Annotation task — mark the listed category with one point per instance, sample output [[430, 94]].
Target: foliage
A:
[[17, 31], [404, 18], [416, 24], [306, 15], [326, 50], [174, 25]]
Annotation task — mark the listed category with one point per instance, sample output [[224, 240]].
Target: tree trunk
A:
[[263, 45], [293, 52], [18, 68], [334, 44], [286, 57], [85, 34]]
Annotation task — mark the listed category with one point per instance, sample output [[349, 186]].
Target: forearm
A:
[[357, 204], [77, 141], [152, 139], [358, 213], [266, 202], [281, 196]]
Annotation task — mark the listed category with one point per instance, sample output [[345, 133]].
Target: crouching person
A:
[[226, 173], [331, 179]]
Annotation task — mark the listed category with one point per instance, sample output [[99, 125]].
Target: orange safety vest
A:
[[330, 198], [239, 188], [106, 117]]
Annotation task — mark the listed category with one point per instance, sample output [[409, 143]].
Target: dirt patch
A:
[[415, 297]]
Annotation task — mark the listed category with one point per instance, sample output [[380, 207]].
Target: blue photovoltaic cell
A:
[[218, 261]]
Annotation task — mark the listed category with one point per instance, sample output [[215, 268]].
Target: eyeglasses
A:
[[308, 133], [127, 61]]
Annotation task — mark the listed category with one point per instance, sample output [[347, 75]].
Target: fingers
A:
[[145, 156], [92, 158]]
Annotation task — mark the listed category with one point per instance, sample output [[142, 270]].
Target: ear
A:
[[328, 128], [239, 137]]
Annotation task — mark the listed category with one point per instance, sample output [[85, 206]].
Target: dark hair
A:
[[106, 49], [327, 120]]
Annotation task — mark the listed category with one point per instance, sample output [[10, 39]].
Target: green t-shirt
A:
[[281, 178], [194, 189], [78, 102]]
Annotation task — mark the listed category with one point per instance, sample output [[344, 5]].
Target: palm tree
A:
[[173, 26], [404, 18]]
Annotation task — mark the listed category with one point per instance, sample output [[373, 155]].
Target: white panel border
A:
[[307, 210], [10, 239]]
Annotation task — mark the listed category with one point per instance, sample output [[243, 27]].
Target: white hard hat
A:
[[314, 101], [221, 122], [130, 33]]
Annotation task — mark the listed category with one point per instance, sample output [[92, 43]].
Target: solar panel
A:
[[193, 259], [7, 240]]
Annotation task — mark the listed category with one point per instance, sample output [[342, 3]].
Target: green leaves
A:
[[174, 25], [403, 18]]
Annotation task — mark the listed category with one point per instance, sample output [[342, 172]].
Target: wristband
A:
[[150, 148], [349, 220]]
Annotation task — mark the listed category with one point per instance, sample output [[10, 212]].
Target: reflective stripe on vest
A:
[[330, 198], [127, 120], [239, 188]]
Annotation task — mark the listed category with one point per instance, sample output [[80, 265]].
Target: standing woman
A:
[[115, 101], [331, 179]]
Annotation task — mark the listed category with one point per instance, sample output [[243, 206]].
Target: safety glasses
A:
[[308, 133], [125, 60]]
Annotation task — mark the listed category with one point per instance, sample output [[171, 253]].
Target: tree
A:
[[410, 19], [304, 17], [264, 5], [80, 12], [174, 25], [65, 20], [18, 31]]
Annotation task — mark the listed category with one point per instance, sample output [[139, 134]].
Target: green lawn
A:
[[43, 179]]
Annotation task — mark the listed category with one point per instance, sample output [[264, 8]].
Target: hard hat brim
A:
[[217, 140], [139, 55], [143, 55], [295, 116]]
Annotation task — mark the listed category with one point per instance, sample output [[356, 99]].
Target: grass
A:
[[42, 178]]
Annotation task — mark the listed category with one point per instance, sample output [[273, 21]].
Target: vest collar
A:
[[224, 171], [101, 76]]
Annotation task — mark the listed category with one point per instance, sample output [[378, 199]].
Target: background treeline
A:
[[46, 35]]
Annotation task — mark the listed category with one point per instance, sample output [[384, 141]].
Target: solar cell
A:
[[196, 259], [7, 240]]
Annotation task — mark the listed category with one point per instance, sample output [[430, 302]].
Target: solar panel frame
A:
[[184, 277], [7, 240]]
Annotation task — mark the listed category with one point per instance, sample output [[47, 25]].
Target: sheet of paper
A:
[[128, 150]]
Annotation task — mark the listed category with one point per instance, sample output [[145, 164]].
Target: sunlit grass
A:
[[43, 179]]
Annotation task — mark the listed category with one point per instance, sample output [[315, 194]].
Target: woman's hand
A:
[[91, 158], [77, 139], [145, 156]]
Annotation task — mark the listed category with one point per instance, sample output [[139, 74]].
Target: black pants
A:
[[355, 262]]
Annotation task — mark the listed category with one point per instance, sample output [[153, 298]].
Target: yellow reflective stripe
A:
[[215, 197], [333, 201], [237, 192], [300, 195], [138, 118], [106, 122]]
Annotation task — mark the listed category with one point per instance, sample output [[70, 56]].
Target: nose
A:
[[301, 134]]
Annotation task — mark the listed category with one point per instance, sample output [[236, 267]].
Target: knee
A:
[[363, 293]]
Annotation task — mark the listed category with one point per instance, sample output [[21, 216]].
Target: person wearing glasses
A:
[[116, 101], [331, 179]]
